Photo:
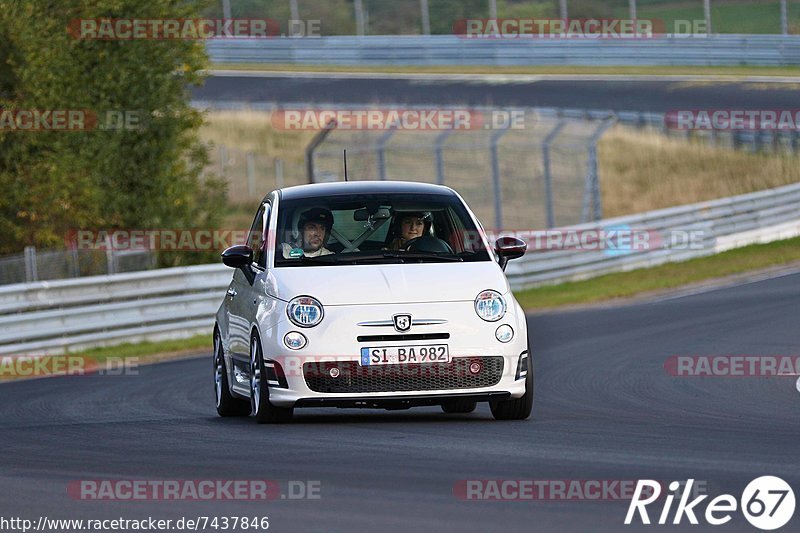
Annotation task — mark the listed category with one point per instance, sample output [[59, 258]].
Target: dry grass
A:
[[641, 171]]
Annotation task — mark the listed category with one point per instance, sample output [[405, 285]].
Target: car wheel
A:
[[517, 408], [227, 405], [263, 411], [459, 406]]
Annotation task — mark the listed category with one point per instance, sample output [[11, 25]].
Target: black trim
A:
[[400, 402], [403, 337]]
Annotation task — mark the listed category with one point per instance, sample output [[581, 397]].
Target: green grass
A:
[[668, 276], [148, 349], [731, 17], [534, 70]]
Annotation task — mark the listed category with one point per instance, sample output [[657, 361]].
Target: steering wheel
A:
[[428, 243]]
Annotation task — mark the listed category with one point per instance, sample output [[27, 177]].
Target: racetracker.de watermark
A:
[[733, 119], [126, 29], [169, 240], [551, 489], [412, 119], [728, 366], [71, 120], [193, 489], [29, 366]]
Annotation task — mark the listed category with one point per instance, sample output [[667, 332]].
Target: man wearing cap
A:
[[314, 227]]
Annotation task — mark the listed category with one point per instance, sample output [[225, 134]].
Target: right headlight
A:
[[490, 306], [305, 311]]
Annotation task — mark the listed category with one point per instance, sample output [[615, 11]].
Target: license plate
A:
[[402, 355]]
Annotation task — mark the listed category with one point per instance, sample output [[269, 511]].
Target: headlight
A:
[[305, 311], [490, 306]]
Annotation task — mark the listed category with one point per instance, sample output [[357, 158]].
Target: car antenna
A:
[[345, 164]]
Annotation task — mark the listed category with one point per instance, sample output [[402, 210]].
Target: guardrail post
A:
[[592, 184], [439, 157], [498, 191], [31, 270], [380, 152], [548, 177]]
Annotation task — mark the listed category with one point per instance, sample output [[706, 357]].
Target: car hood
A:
[[388, 284]]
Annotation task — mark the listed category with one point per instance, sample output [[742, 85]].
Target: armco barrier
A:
[[729, 50], [50, 317]]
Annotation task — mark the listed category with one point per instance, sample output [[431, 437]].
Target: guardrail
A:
[[728, 50], [53, 316]]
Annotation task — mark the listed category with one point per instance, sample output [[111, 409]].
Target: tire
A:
[[260, 407], [227, 404], [459, 406], [517, 408]]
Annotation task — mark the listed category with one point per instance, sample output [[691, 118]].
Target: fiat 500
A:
[[370, 294]]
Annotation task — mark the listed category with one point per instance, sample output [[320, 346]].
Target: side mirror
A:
[[509, 248], [238, 256]]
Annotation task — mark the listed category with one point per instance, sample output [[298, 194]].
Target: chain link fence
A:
[[541, 175], [38, 265]]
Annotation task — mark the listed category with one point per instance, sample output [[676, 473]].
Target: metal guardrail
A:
[[729, 50], [50, 317]]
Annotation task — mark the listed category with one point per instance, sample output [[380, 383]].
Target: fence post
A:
[[592, 184], [278, 173], [312, 146], [223, 159], [31, 269], [251, 173], [439, 158], [498, 191], [380, 152], [548, 177], [76, 263], [109, 256]]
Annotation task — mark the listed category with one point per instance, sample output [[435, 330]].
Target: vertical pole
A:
[[438, 151], [784, 19], [562, 4], [223, 160], [380, 149], [312, 147], [548, 176], [294, 14], [251, 173], [592, 174], [76, 262], [492, 9], [359, 7], [426, 17], [109, 256], [31, 270], [632, 9], [496, 184], [707, 13], [278, 173], [226, 9]]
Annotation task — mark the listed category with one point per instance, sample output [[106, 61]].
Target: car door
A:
[[242, 292]]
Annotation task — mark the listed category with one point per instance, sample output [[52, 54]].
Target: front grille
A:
[[354, 378], [403, 337]]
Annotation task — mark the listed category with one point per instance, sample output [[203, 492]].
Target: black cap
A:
[[316, 214]]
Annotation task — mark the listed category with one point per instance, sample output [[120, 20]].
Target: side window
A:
[[256, 238]]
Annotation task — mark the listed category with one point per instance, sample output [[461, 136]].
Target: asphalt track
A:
[[605, 409], [610, 93]]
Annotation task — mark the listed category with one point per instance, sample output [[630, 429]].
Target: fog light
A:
[[504, 333], [294, 340]]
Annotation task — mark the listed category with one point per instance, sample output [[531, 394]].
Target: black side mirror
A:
[[238, 256], [509, 248]]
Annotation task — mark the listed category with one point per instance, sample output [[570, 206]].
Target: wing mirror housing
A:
[[509, 248], [238, 256]]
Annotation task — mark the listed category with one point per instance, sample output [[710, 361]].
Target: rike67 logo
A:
[[767, 503]]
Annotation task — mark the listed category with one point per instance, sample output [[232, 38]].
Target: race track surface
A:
[[605, 410], [607, 94]]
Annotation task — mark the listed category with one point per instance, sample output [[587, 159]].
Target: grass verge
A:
[[668, 276]]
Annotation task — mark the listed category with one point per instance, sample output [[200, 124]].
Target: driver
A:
[[410, 226], [314, 227]]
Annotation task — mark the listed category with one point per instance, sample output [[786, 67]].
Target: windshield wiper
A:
[[397, 254]]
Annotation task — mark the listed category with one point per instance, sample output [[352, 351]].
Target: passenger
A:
[[314, 227], [409, 226]]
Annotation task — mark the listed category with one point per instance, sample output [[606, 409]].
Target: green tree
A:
[[56, 181]]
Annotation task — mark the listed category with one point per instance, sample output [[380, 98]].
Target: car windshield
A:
[[376, 228]]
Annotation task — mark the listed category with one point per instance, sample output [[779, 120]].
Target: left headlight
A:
[[305, 311], [490, 306]]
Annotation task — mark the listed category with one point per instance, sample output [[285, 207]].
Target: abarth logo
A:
[[402, 322]]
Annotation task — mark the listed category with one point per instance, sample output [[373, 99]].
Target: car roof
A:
[[315, 190]]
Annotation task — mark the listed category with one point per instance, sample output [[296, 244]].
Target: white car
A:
[[377, 294]]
